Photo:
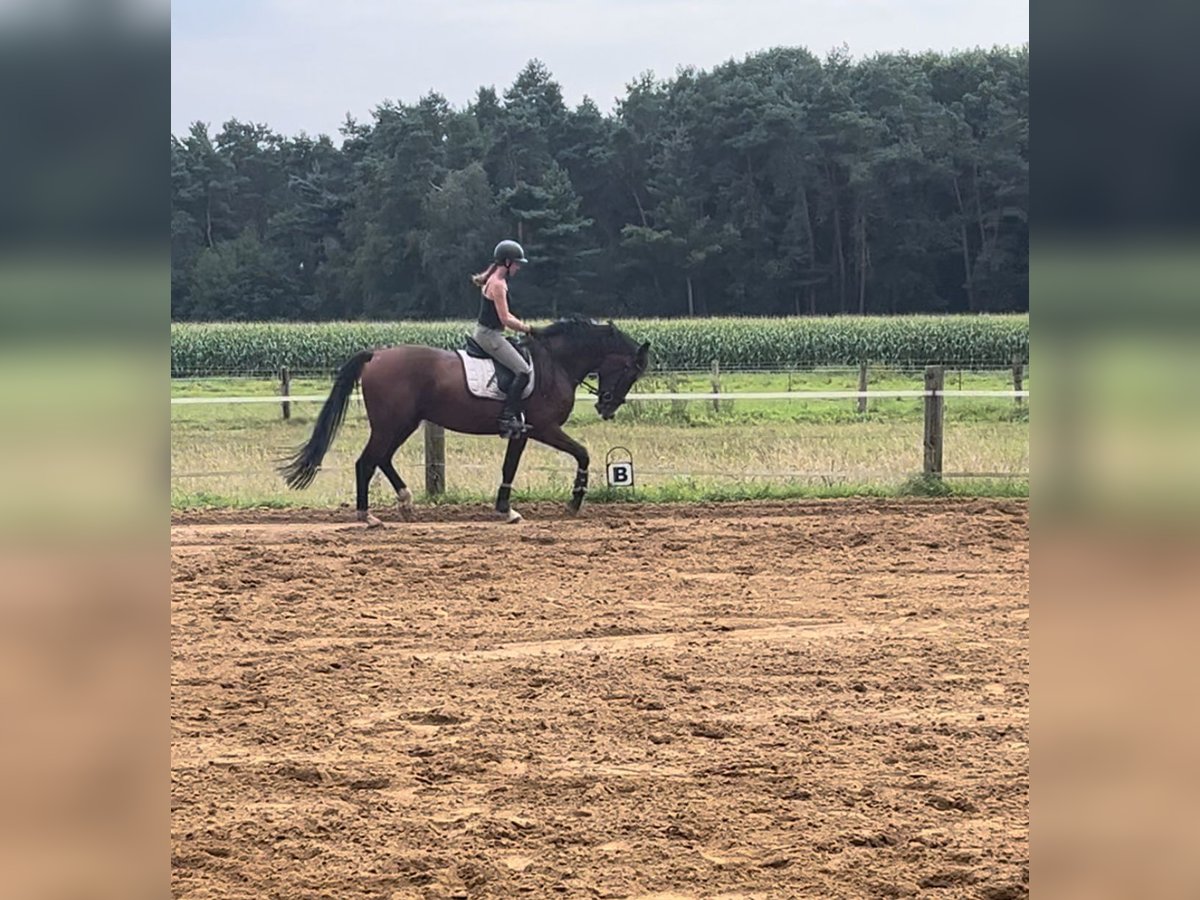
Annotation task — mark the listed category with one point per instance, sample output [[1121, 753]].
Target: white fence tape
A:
[[569, 468], [749, 395]]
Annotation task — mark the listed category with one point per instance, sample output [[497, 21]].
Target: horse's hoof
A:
[[404, 503], [510, 516], [572, 509], [369, 520]]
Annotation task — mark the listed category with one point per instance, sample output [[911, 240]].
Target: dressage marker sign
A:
[[620, 471]]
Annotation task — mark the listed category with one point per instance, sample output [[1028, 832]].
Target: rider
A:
[[494, 317]]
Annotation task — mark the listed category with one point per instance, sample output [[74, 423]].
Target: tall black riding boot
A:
[[512, 419]]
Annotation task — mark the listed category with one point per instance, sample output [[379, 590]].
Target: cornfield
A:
[[984, 341]]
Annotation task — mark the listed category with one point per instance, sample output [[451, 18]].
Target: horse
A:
[[407, 384]]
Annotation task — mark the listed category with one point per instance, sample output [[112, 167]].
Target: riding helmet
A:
[[509, 251]]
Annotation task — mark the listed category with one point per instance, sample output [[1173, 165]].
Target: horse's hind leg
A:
[[404, 497], [364, 469]]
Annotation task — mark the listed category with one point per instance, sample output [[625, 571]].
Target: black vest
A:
[[488, 317]]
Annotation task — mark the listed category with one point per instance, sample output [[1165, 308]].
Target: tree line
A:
[[780, 184]]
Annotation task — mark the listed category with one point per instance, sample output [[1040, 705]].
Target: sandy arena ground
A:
[[806, 699]]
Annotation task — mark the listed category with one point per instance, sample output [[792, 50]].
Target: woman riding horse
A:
[[494, 316], [403, 386]]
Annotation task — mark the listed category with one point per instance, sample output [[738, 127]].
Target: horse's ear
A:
[[643, 353]]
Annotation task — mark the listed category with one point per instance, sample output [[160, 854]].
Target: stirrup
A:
[[513, 427]]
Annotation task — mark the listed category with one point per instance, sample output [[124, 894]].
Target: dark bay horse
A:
[[405, 385]]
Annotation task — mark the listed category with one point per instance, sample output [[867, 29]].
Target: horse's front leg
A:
[[555, 437], [512, 458]]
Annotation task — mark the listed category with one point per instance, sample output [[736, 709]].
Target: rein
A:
[[596, 391]]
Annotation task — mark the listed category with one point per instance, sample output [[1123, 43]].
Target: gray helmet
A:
[[509, 251]]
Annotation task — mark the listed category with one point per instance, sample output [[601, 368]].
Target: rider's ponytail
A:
[[479, 279]]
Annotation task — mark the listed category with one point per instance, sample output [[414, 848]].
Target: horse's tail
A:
[[301, 469]]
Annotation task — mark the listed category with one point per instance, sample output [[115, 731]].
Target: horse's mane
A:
[[583, 328]]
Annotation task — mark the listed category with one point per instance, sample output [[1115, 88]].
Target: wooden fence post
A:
[[285, 388], [1018, 376], [435, 459], [862, 386], [716, 383], [935, 377]]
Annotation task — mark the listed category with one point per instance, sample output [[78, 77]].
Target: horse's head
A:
[[584, 346], [623, 364]]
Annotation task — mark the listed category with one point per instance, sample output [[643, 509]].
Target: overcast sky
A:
[[302, 65]]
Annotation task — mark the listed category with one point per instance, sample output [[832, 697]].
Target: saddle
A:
[[504, 375]]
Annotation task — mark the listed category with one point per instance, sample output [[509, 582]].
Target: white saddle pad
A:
[[481, 378]]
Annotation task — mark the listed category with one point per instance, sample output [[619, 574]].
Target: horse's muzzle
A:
[[606, 407]]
